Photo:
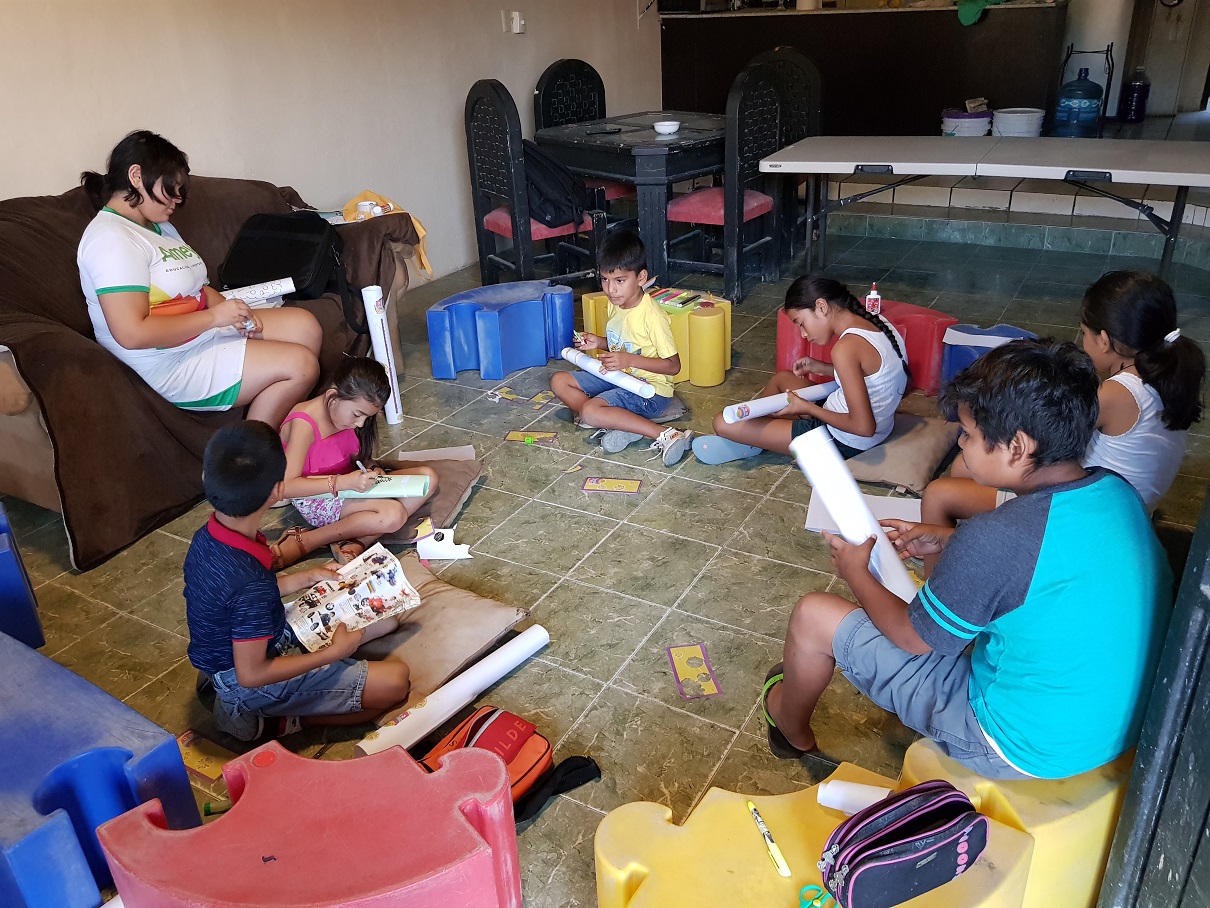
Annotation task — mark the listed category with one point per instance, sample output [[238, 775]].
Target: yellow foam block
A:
[[707, 341], [1072, 821], [595, 307], [719, 858]]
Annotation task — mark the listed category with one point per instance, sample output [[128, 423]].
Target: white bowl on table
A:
[[666, 127]]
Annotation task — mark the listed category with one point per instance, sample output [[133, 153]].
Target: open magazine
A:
[[372, 586]]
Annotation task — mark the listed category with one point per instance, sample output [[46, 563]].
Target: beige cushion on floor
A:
[[455, 482], [450, 629], [910, 456]]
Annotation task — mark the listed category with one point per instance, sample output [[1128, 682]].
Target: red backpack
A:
[[527, 755]]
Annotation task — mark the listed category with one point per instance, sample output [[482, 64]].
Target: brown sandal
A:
[[346, 550], [289, 549]]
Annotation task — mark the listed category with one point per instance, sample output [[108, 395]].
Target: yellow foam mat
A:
[[1071, 820], [595, 307], [718, 858]]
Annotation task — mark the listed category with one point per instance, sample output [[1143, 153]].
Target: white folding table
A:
[[1081, 162]]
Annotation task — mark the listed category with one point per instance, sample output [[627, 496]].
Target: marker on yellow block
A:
[[775, 855]]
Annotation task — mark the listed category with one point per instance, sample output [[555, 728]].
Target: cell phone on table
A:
[[602, 130]]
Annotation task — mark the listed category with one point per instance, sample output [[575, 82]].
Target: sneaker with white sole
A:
[[615, 440], [672, 445], [597, 437]]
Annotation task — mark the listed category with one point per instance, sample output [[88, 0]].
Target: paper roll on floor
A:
[[830, 478], [411, 726], [380, 341], [621, 379], [707, 347], [767, 406]]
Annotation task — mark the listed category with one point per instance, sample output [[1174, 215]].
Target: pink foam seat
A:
[[613, 189], [375, 832], [500, 221], [705, 206]]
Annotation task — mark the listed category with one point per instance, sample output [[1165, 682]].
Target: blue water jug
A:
[[1078, 111]]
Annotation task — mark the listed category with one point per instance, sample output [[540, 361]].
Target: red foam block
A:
[[922, 329], [375, 832]]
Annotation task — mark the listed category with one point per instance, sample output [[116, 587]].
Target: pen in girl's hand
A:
[[361, 466]]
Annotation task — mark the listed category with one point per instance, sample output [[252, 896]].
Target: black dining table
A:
[[628, 149]]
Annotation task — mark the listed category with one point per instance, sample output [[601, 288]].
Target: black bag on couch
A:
[[300, 245]]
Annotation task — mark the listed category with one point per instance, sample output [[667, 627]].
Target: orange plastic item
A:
[[375, 832]]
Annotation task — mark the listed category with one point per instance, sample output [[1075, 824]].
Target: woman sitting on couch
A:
[[151, 307]]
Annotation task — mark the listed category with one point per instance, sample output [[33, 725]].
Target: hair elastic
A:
[[1171, 336]]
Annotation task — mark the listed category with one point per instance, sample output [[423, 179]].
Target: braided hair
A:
[[1138, 312], [811, 287]]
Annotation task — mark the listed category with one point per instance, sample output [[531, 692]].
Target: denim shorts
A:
[[330, 690], [928, 693], [807, 423], [595, 386]]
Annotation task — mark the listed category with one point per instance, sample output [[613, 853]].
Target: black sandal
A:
[[779, 745]]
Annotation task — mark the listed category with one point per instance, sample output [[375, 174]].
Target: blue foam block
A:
[[18, 607], [500, 328], [963, 344], [73, 758]]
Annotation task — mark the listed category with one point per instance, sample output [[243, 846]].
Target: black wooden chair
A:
[[748, 205], [501, 202], [801, 90], [571, 91]]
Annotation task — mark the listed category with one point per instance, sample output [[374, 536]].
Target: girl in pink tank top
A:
[[327, 439]]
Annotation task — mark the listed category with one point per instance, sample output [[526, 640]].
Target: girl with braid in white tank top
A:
[[1150, 395], [868, 364]]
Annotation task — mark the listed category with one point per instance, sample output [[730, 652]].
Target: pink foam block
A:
[[922, 329], [375, 832]]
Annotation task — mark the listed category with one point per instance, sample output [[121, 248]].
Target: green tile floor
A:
[[716, 555]]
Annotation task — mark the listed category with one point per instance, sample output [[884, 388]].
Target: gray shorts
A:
[[330, 690], [928, 693]]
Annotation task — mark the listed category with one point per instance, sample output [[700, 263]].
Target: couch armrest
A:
[[15, 396]]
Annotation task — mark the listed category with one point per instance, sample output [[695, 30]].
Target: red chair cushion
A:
[[613, 188], [500, 221], [705, 206]]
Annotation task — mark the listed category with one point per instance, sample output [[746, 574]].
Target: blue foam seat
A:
[[500, 328], [18, 607], [73, 758]]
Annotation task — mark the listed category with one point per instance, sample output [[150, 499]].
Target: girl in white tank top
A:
[[868, 367], [1150, 396]]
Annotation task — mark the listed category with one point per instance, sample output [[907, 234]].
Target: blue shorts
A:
[[928, 693], [595, 386], [805, 424], [330, 690]]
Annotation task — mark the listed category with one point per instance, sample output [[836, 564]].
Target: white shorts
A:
[[202, 374]]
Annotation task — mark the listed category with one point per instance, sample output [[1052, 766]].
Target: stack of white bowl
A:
[[960, 123], [1018, 121]]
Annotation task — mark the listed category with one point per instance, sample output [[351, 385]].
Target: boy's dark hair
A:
[[622, 251], [1138, 312], [243, 463], [155, 155], [811, 287], [1044, 388], [361, 377]]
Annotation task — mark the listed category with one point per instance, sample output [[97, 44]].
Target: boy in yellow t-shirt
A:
[[639, 341]]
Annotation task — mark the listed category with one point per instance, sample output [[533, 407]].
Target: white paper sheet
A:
[[881, 507]]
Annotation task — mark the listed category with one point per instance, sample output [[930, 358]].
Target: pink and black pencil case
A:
[[910, 842]]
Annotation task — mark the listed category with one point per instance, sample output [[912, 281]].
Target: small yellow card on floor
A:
[[541, 399], [694, 675], [202, 756], [532, 438], [604, 484]]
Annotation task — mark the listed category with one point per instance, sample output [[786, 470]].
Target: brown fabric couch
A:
[[80, 432]]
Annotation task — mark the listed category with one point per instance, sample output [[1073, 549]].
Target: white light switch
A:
[[518, 23]]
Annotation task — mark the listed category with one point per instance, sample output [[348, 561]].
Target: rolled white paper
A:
[[441, 704], [262, 296], [380, 339], [849, 797], [829, 477], [621, 379], [767, 406]]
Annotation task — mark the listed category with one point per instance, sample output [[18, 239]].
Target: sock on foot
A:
[[714, 449]]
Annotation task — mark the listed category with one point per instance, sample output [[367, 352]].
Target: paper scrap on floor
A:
[[438, 544], [693, 672], [202, 756], [881, 506]]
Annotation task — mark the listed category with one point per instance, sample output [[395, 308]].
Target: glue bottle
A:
[[873, 300]]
